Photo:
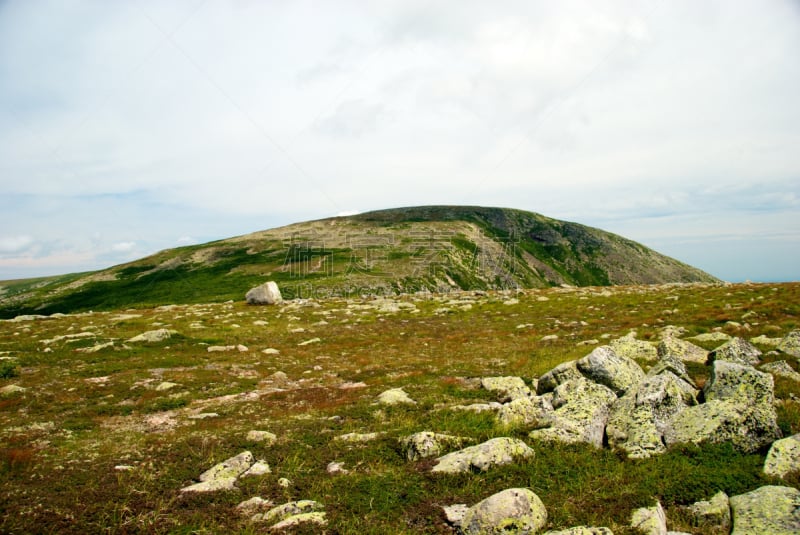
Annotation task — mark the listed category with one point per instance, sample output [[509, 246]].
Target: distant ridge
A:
[[399, 250]]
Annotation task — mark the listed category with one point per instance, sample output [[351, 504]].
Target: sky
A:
[[131, 127]]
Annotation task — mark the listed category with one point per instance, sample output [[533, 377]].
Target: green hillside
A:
[[404, 250]]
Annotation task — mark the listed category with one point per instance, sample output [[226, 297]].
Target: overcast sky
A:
[[130, 127]]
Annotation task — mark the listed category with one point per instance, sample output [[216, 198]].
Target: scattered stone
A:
[[265, 294], [335, 468], [358, 438], [284, 483], [781, 368], [262, 436], [123, 468], [506, 388], [254, 504], [279, 377], [711, 337], [764, 340], [223, 476], [783, 457], [736, 350], [650, 520], [395, 396], [271, 351], [220, 349], [318, 519], [259, 468], [349, 385], [12, 390], [549, 338], [494, 452], [714, 513], [791, 344], [310, 341], [672, 346], [158, 335], [95, 348], [166, 385], [427, 444], [290, 509], [203, 416], [492, 406], [455, 513], [770, 509], [591, 342], [508, 511], [581, 530], [242, 348], [512, 301], [605, 367]]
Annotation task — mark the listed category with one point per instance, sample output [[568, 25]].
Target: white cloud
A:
[[15, 244], [123, 246]]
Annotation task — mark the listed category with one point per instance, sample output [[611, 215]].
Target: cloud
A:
[[15, 244], [123, 247]]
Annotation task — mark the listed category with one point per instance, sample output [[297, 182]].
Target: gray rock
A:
[[509, 511], [711, 337], [158, 335], [714, 513], [783, 457], [581, 530], [254, 504], [262, 436], [494, 452], [769, 510], [738, 351], [681, 349], [581, 410], [739, 383], [259, 468], [605, 367], [765, 340], [492, 406], [223, 476], [395, 396], [558, 375], [291, 509], [506, 388], [455, 513], [358, 438], [428, 444], [628, 346], [526, 411], [781, 368], [668, 362], [791, 344], [650, 520], [265, 294]]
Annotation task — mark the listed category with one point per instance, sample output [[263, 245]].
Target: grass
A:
[[83, 414]]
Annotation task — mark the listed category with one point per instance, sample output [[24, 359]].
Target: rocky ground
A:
[[594, 410]]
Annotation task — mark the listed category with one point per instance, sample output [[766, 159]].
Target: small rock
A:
[[714, 513], [358, 438], [335, 468], [318, 519], [203, 416], [271, 351], [256, 503], [494, 452], [766, 341], [223, 476], [791, 344], [650, 520], [681, 349], [242, 348], [395, 396], [549, 338], [12, 390], [219, 349], [123, 468], [290, 509], [508, 511], [262, 436], [711, 337], [284, 483], [311, 341], [581, 530], [153, 336], [259, 468], [455, 513], [781, 368], [427, 444], [166, 385]]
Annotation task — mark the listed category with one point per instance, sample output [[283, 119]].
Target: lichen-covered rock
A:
[[716, 421], [525, 411], [765, 340], [581, 530], [650, 520], [395, 396], [781, 368], [157, 335], [738, 351], [681, 349], [492, 406], [12, 390], [318, 518], [358, 438], [262, 436], [509, 511], [562, 373], [783, 457], [714, 513], [628, 346], [264, 294], [791, 344], [711, 337], [290, 509], [739, 383], [769, 510], [668, 362], [605, 367], [427, 444], [223, 476], [506, 388], [637, 420], [494, 452], [581, 410]]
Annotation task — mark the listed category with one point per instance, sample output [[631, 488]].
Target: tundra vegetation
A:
[[105, 416]]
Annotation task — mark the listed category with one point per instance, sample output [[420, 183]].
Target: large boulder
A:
[[681, 349], [628, 346], [506, 388], [783, 457], [562, 373], [770, 510], [781, 368], [427, 444], [265, 294], [738, 351], [605, 367], [791, 344], [739, 383], [509, 511], [638, 419], [526, 411], [581, 410], [494, 452]]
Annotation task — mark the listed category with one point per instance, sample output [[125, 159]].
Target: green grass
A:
[[85, 413]]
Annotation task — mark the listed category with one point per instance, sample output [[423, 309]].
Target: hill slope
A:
[[434, 248]]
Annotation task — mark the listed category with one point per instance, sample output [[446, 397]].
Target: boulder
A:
[[157, 335], [265, 294], [637, 420], [712, 514], [526, 411], [262, 436], [711, 337], [681, 349], [668, 362], [783, 457], [650, 520], [223, 476], [605, 367], [629, 347], [494, 452], [739, 383], [509, 511], [781, 368], [771, 509], [395, 396], [558, 375], [506, 388], [765, 340], [581, 410], [738, 351], [791, 344], [427, 444], [318, 518]]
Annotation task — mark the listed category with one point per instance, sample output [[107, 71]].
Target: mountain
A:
[[434, 248]]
